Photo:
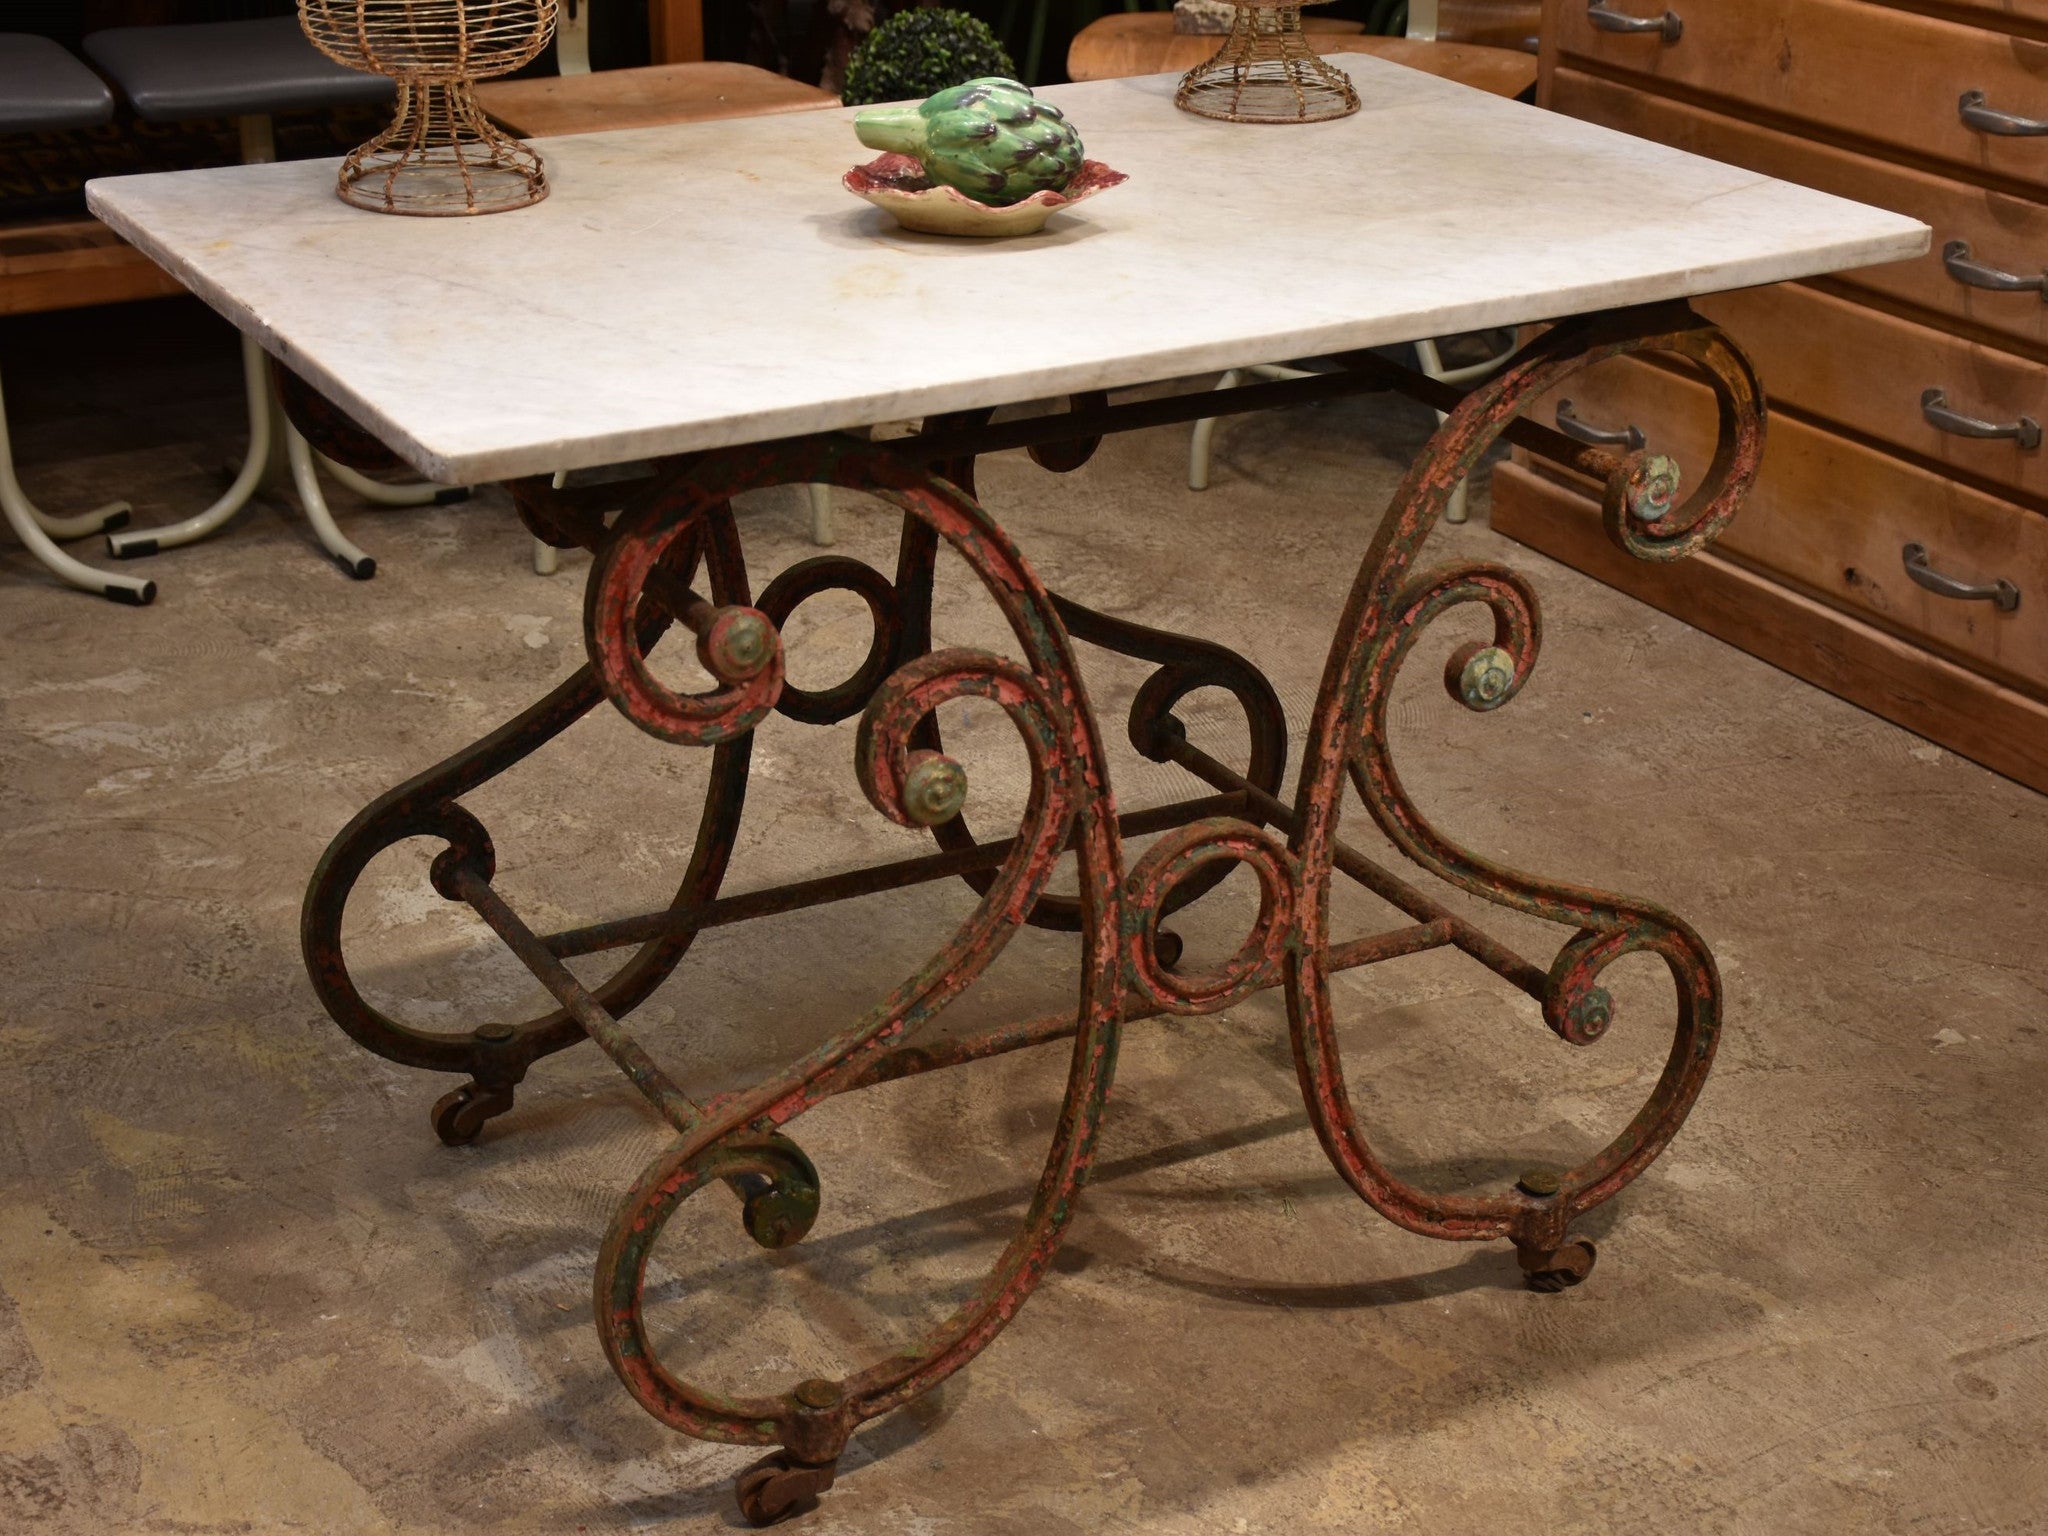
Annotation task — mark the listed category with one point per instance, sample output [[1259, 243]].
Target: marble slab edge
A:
[[455, 467], [476, 462]]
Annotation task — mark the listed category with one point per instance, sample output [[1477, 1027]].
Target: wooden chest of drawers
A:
[[1895, 549]]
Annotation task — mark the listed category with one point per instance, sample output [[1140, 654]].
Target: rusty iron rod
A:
[[1383, 883], [610, 1035], [776, 899], [914, 1060]]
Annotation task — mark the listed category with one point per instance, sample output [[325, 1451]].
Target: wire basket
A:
[[1266, 72], [440, 155]]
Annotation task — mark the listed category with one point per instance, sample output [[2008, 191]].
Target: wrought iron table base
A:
[[643, 581]]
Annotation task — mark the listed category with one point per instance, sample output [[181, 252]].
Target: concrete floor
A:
[[242, 1288]]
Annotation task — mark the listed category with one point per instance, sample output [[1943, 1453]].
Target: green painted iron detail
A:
[[1656, 491], [1487, 678], [934, 790]]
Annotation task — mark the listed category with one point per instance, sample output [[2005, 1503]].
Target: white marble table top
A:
[[708, 284]]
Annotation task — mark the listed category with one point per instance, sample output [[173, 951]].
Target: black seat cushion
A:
[[227, 69], [42, 88]]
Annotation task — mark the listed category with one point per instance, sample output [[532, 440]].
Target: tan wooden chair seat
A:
[[550, 106], [1144, 43]]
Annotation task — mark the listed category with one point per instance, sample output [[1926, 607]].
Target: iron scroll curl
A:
[[1389, 609], [495, 1053], [1068, 807]]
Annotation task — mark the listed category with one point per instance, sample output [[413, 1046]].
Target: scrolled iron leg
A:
[[1131, 967], [734, 1141], [1390, 607], [494, 1056]]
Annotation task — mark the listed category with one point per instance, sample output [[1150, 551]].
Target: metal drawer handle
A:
[[1987, 119], [1629, 437], [2003, 593], [1934, 406], [1956, 257], [1668, 24]]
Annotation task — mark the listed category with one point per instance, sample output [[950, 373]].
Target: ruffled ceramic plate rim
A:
[[898, 184]]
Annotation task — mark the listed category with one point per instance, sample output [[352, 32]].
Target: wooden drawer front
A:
[[1996, 14], [1975, 715], [1866, 370], [1892, 77], [1501, 23], [1834, 517], [2009, 232]]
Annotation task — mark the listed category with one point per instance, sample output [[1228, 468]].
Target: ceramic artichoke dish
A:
[[984, 158]]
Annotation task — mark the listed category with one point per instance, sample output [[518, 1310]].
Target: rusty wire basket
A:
[[1266, 72], [440, 155]]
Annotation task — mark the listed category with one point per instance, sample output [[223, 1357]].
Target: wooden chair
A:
[[1144, 43], [680, 86], [1460, 40], [1510, 24], [43, 88]]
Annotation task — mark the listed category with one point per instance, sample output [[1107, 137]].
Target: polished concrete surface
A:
[[243, 1288]]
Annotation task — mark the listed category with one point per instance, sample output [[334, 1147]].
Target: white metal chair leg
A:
[[822, 530], [258, 148], [546, 558], [147, 541], [420, 493], [1201, 438], [122, 589], [30, 527], [306, 479], [1426, 355], [85, 524], [1457, 509], [1204, 435]]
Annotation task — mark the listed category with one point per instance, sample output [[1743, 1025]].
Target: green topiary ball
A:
[[915, 53]]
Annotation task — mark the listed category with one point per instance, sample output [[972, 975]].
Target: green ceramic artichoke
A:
[[991, 138]]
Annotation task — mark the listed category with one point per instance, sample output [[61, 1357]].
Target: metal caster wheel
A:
[[459, 1116], [778, 1486], [1560, 1269], [1169, 947]]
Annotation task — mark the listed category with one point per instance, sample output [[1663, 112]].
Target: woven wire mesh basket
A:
[[1266, 72], [440, 155]]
